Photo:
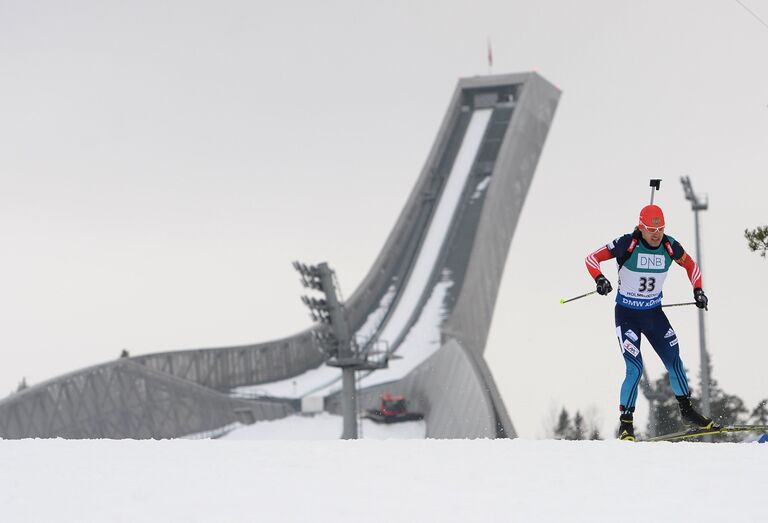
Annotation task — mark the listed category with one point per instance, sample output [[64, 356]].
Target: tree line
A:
[[725, 409]]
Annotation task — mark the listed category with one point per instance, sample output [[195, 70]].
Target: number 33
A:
[[647, 284]]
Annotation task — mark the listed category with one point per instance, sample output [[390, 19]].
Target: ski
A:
[[699, 432]]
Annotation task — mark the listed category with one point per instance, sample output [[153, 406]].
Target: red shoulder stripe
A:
[[594, 259], [692, 268]]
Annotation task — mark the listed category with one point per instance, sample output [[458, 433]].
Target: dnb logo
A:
[[651, 261]]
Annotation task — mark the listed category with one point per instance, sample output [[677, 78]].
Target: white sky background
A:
[[161, 164]]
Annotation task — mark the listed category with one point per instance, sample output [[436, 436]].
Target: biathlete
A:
[[644, 257]]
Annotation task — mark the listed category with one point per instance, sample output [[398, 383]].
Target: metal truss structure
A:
[[181, 393]]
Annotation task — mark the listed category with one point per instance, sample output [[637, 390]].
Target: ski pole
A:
[[563, 300], [681, 304]]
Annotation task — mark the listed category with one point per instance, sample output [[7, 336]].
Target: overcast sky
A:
[[162, 163]]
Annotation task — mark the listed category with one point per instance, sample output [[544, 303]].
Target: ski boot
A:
[[626, 428], [692, 417]]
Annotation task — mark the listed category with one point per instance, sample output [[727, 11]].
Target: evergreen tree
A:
[[579, 428], [563, 428], [757, 239], [724, 408], [577, 433], [759, 416]]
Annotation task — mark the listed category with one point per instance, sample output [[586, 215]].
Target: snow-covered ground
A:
[[380, 481], [296, 387]]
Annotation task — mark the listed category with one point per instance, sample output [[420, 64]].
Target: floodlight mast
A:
[[696, 206], [333, 336], [330, 311], [341, 330]]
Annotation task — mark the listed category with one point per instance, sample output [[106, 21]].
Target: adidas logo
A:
[[669, 333]]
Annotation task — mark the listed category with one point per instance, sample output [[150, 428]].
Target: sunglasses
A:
[[652, 229]]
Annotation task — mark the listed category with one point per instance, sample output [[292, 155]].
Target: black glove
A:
[[701, 298], [603, 285]]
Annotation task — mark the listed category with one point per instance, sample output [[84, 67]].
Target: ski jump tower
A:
[[429, 298]]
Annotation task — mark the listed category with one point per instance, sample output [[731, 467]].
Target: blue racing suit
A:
[[642, 271]]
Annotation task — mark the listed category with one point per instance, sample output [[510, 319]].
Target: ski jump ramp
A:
[[429, 296]]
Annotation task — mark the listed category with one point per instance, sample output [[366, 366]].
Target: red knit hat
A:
[[651, 216]]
